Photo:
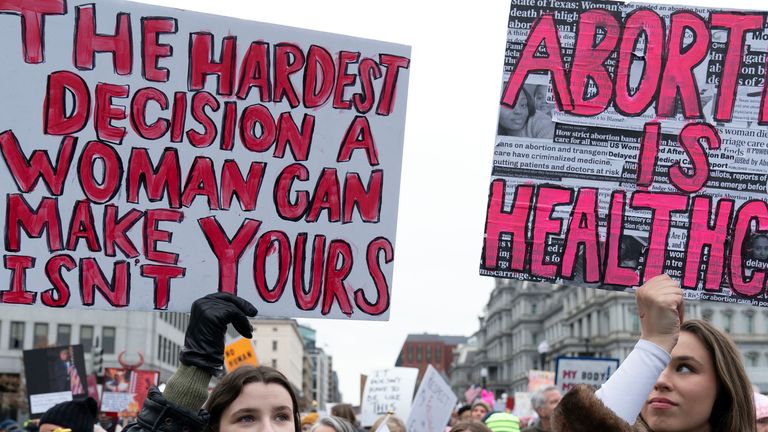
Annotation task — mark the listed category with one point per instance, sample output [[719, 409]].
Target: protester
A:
[[761, 412], [452, 420], [479, 409], [464, 413], [679, 377], [77, 415], [544, 402], [393, 422], [332, 424], [261, 395], [308, 421], [346, 412], [503, 422], [470, 426]]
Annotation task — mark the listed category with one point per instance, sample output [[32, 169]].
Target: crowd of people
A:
[[682, 375]]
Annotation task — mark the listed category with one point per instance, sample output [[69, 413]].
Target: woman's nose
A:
[[663, 383]]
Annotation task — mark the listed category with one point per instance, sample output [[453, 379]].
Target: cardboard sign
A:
[[432, 404], [388, 390], [238, 353], [523, 408], [640, 154], [181, 153], [583, 370], [54, 375], [538, 379], [125, 390]]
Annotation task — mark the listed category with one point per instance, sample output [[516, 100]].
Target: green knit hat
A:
[[503, 422]]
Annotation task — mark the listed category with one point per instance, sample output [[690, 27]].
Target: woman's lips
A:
[[661, 403]]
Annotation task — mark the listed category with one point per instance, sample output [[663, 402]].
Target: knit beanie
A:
[[482, 403], [503, 422], [78, 415]]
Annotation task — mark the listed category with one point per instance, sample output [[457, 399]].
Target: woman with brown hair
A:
[[248, 398], [250, 395], [345, 411], [681, 378]]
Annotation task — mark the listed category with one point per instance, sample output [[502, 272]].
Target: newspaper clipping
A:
[[632, 140]]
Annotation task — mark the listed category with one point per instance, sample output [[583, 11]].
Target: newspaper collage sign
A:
[[151, 156], [632, 141]]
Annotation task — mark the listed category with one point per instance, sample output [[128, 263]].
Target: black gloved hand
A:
[[204, 340]]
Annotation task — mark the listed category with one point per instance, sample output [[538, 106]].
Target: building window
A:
[[438, 353], [418, 353], [274, 345], [534, 308], [159, 347], [750, 323], [429, 353], [41, 335], [16, 341], [752, 359], [108, 340], [63, 334], [635, 321], [274, 363], [727, 322], [86, 337]]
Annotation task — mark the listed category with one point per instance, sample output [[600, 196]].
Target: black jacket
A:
[[160, 415]]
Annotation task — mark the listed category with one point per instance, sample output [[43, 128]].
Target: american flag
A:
[[74, 381]]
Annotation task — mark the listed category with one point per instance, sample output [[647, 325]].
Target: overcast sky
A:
[[455, 83]]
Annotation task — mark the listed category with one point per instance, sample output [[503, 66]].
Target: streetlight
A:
[[484, 375], [543, 351], [589, 352]]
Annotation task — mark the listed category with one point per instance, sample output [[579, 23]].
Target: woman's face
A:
[[513, 119], [479, 412], [541, 99], [259, 408], [684, 394]]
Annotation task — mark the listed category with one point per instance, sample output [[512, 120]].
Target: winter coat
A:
[[581, 411], [160, 415]]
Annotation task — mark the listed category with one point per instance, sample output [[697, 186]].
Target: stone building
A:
[[527, 325]]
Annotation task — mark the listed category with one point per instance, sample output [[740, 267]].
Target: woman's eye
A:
[[246, 419], [282, 417], [684, 368]]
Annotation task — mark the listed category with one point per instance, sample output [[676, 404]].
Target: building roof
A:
[[428, 337]]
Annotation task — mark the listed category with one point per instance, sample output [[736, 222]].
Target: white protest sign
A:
[[388, 390], [583, 370], [181, 153], [523, 407], [432, 405]]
